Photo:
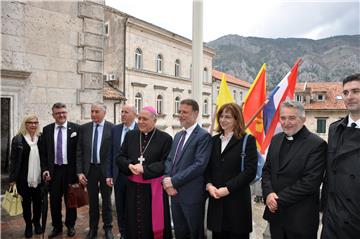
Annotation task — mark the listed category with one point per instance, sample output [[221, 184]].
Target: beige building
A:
[[323, 105], [237, 87], [152, 66]]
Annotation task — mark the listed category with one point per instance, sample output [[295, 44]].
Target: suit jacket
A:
[[341, 197], [112, 170], [84, 147], [233, 212], [296, 182], [188, 179], [48, 150]]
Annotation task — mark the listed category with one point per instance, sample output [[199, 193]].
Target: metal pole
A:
[[197, 54]]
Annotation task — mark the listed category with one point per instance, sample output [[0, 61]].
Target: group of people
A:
[[154, 174]]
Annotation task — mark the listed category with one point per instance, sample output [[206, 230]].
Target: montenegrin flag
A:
[[254, 100], [285, 89]]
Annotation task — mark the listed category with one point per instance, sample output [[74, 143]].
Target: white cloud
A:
[[262, 18]]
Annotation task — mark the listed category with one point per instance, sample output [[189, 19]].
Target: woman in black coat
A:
[[25, 172], [229, 211]]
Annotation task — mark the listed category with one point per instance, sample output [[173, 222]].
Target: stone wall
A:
[[52, 51]]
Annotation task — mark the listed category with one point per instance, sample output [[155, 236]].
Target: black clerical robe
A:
[[138, 209]]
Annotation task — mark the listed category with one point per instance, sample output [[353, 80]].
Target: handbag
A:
[[77, 196], [12, 201]]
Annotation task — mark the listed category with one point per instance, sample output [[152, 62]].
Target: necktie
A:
[[94, 151], [59, 155], [353, 125], [179, 149]]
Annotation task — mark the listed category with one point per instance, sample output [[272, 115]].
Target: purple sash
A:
[[157, 206]]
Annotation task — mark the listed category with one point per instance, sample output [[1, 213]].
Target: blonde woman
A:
[[25, 171]]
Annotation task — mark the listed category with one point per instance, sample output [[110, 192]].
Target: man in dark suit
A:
[[58, 161], [92, 152], [341, 197], [292, 176], [113, 176], [184, 173]]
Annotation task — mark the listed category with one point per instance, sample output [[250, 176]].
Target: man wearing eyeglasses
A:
[[58, 161], [341, 197]]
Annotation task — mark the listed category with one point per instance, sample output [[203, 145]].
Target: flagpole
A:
[[256, 113], [213, 120]]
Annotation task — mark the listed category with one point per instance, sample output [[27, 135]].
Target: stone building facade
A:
[[152, 66], [51, 51], [237, 87]]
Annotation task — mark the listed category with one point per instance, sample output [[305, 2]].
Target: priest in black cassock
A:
[[142, 158]]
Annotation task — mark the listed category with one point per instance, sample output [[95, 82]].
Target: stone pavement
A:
[[13, 227]]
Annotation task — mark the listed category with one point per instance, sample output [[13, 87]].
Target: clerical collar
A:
[[295, 136], [148, 133]]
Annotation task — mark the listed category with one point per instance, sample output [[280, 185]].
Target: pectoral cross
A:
[[141, 159]]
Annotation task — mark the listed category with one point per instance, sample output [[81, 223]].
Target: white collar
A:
[[190, 129], [352, 121], [63, 125]]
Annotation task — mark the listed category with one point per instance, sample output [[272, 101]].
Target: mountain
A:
[[329, 59]]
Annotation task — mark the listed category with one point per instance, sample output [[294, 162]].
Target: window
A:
[[321, 97], [321, 125], [106, 28], [205, 107], [217, 90], [240, 96], [159, 61], [299, 98], [138, 58], [177, 67], [177, 105], [159, 104], [234, 95], [138, 102], [205, 75]]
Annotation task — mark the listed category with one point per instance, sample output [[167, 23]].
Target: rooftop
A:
[[230, 79], [330, 90]]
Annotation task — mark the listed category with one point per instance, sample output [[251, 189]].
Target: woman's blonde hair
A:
[[28, 118]]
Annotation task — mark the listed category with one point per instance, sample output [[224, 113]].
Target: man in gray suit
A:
[[184, 170], [92, 151]]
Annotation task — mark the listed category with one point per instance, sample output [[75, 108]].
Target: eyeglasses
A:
[[60, 113], [355, 91], [32, 122]]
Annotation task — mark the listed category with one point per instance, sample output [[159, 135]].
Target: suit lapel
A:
[[275, 160], [69, 132], [231, 143], [191, 137], [52, 144], [298, 143]]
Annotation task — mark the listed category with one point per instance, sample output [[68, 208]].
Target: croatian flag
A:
[[285, 89]]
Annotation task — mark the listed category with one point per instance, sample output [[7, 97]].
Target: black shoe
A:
[[38, 229], [71, 231], [55, 232], [28, 231], [92, 234], [109, 234]]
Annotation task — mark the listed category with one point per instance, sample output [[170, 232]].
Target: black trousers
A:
[[96, 183], [229, 235], [278, 231], [58, 190], [31, 197], [120, 196]]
